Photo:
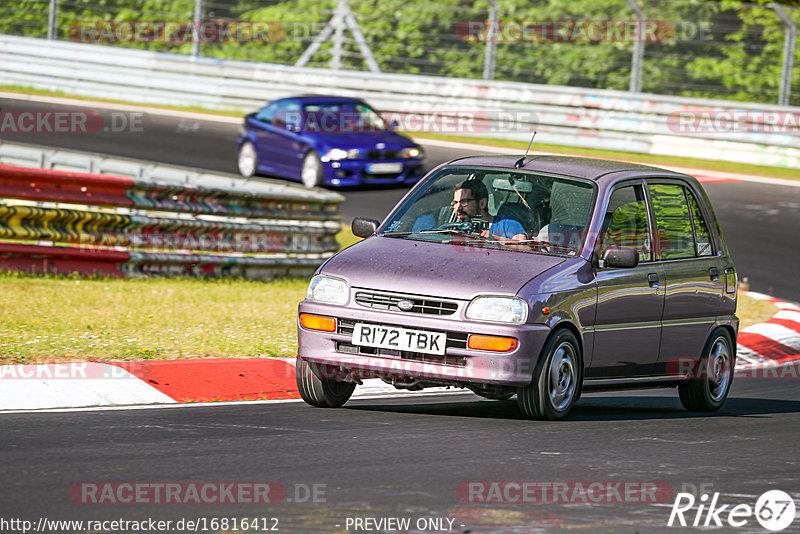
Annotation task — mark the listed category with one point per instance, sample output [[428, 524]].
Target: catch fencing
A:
[[64, 222], [757, 134]]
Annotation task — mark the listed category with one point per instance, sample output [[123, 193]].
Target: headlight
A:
[[336, 154], [498, 310], [327, 289], [412, 152]]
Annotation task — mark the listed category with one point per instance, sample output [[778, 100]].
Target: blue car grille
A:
[[382, 154]]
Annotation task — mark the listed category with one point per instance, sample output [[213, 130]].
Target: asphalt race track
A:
[[412, 457], [760, 221], [408, 457]]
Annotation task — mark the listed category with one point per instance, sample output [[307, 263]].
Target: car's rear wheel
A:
[[247, 161], [319, 391], [707, 389], [556, 380], [312, 170]]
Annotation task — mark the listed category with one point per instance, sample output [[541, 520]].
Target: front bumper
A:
[[460, 366], [354, 172]]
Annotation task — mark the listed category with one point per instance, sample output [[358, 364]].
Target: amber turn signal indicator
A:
[[318, 322], [497, 344]]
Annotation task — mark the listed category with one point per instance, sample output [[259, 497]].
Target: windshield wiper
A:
[[451, 231], [536, 242]]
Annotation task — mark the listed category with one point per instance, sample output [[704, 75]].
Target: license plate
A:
[[389, 337], [384, 168]]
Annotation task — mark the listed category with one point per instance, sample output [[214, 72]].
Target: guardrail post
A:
[[491, 41], [342, 18], [196, 19], [638, 48], [338, 35], [788, 54], [52, 20]]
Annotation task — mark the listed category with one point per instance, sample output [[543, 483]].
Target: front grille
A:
[[382, 154], [421, 305]]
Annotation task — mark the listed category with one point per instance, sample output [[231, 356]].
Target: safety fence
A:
[[758, 134], [64, 222]]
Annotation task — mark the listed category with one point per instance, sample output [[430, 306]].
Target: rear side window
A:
[[682, 230], [702, 234]]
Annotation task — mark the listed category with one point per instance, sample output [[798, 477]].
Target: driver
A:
[[470, 199]]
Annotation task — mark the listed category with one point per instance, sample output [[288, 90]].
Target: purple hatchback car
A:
[[540, 277]]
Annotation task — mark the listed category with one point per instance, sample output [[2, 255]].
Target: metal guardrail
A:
[[155, 220], [569, 116]]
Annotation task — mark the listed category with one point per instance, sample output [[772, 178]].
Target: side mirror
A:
[[363, 227], [394, 125], [624, 257]]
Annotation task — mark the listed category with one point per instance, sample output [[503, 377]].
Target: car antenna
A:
[[521, 161]]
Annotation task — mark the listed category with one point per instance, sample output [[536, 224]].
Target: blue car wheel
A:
[[312, 170], [247, 161]]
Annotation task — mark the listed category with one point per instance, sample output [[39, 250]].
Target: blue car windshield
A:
[[342, 117], [521, 211]]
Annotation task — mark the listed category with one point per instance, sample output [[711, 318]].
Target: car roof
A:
[[309, 99], [574, 166]]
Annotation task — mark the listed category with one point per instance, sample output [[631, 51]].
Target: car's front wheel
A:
[[247, 161], [708, 388], [556, 381], [312, 170], [319, 391]]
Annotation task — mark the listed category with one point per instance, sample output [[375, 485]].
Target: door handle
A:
[[713, 273], [652, 279]]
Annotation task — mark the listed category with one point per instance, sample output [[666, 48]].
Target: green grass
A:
[[753, 311], [58, 319], [711, 165], [49, 318], [648, 159]]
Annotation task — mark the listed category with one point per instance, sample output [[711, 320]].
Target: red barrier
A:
[[61, 186], [61, 260]]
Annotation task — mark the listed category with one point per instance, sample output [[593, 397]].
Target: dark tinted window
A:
[[625, 223], [673, 221]]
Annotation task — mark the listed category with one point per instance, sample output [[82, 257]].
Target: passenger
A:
[[470, 200]]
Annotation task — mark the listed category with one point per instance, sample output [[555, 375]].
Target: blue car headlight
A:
[[336, 154], [414, 152]]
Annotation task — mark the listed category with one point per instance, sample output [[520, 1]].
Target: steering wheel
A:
[[474, 226]]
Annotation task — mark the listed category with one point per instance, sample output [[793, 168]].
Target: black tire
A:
[[553, 399], [311, 173], [319, 391], [712, 377]]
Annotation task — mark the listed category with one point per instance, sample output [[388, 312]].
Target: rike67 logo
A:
[[774, 510]]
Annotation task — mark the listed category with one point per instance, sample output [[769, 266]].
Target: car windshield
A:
[[342, 117], [513, 210]]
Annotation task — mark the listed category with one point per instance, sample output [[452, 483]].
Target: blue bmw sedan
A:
[[331, 141]]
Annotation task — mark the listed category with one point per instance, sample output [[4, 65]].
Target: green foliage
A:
[[717, 49]]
